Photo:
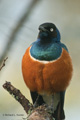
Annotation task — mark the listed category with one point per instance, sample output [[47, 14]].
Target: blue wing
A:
[[64, 46]]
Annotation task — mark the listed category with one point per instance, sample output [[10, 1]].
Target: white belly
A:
[[48, 99]]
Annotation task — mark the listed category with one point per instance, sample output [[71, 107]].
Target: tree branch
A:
[[18, 96], [3, 64], [39, 113]]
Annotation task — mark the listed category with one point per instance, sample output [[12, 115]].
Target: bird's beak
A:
[[41, 28]]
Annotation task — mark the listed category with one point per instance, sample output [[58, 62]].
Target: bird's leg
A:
[[36, 102], [52, 102], [51, 106]]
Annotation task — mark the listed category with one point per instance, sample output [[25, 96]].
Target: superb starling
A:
[[47, 69]]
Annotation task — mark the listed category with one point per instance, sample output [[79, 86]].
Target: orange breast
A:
[[50, 77]]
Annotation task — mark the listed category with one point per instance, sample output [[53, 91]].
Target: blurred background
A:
[[19, 21]]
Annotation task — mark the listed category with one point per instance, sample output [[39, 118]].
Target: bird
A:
[[47, 69]]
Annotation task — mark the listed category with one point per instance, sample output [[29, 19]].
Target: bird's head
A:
[[48, 32]]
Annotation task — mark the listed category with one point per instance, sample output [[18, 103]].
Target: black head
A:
[[49, 31]]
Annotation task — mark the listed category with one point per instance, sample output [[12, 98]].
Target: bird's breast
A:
[[46, 52], [44, 76]]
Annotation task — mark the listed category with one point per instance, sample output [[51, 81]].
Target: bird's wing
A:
[[59, 112]]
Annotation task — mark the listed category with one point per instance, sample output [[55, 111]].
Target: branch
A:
[[39, 113], [3, 64], [18, 96]]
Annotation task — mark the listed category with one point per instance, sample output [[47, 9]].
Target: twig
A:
[[39, 113], [3, 64], [18, 96]]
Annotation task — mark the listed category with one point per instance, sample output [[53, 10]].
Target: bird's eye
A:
[[51, 29]]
